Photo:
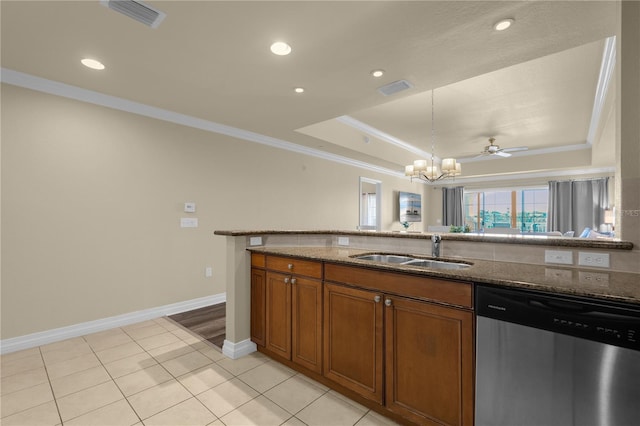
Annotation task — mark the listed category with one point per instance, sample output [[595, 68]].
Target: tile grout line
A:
[[53, 395]]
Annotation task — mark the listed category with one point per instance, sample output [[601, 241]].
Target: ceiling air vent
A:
[[136, 10], [395, 87]]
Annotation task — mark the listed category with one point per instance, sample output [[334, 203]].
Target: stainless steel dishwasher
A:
[[544, 360]]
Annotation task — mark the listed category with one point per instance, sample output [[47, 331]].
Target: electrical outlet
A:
[[189, 222], [343, 241], [597, 260], [562, 257], [208, 272], [594, 278], [255, 241]]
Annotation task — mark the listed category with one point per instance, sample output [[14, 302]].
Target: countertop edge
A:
[[486, 238], [482, 272]]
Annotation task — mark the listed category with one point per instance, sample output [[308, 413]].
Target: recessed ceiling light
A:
[[299, 89], [503, 24], [280, 48], [93, 64], [377, 73]]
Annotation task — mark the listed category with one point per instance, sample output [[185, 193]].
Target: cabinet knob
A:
[[387, 302], [286, 280], [293, 280], [377, 299], [290, 266]]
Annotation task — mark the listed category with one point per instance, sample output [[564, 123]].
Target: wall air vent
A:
[[395, 87], [136, 10]]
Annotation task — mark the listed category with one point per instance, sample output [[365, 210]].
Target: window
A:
[[525, 209]]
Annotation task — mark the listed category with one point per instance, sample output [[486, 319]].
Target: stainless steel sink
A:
[[413, 261], [436, 264], [386, 258]]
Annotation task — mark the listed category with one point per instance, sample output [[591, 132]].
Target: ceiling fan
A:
[[492, 149]]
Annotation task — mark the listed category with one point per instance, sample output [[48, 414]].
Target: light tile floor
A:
[[158, 373]]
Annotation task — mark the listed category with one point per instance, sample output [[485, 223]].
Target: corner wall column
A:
[[237, 341], [628, 125]]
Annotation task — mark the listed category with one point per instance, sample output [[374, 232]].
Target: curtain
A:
[[452, 210], [577, 205]]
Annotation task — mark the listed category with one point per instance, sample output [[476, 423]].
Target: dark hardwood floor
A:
[[208, 322]]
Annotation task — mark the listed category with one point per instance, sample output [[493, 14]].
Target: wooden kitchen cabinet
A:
[[278, 314], [292, 317], [426, 342], [401, 342], [429, 362], [353, 339]]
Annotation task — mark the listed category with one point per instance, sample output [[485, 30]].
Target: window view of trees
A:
[[524, 209]]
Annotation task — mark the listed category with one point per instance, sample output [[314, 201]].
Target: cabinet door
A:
[[278, 313], [353, 333], [429, 362], [307, 323], [258, 306]]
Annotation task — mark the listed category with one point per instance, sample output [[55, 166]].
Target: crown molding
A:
[[607, 68], [379, 134], [51, 87], [528, 175]]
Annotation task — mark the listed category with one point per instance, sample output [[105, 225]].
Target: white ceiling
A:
[[533, 85]]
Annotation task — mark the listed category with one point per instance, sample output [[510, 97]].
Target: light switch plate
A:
[[562, 257], [190, 207]]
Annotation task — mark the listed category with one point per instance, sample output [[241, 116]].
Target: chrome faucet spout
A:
[[435, 245]]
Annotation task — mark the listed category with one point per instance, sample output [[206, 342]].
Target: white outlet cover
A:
[[562, 257], [188, 222], [255, 241], [596, 260], [343, 241]]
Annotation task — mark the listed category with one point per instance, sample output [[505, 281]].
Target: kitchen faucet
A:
[[435, 245]]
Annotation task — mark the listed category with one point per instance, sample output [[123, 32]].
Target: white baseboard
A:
[[57, 334], [238, 350]]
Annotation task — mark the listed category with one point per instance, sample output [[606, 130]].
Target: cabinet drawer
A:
[[457, 293], [296, 266], [257, 260]]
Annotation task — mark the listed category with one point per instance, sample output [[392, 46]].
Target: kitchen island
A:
[[307, 299], [502, 260]]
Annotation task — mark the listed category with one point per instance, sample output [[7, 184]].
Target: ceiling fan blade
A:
[[520, 148], [502, 154]]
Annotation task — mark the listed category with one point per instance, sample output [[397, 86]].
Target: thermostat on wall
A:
[[190, 207]]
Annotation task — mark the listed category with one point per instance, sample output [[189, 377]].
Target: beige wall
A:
[[92, 198]]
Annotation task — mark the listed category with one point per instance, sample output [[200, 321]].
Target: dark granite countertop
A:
[[610, 285], [528, 239]]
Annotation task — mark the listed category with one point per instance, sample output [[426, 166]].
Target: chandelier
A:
[[428, 170]]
